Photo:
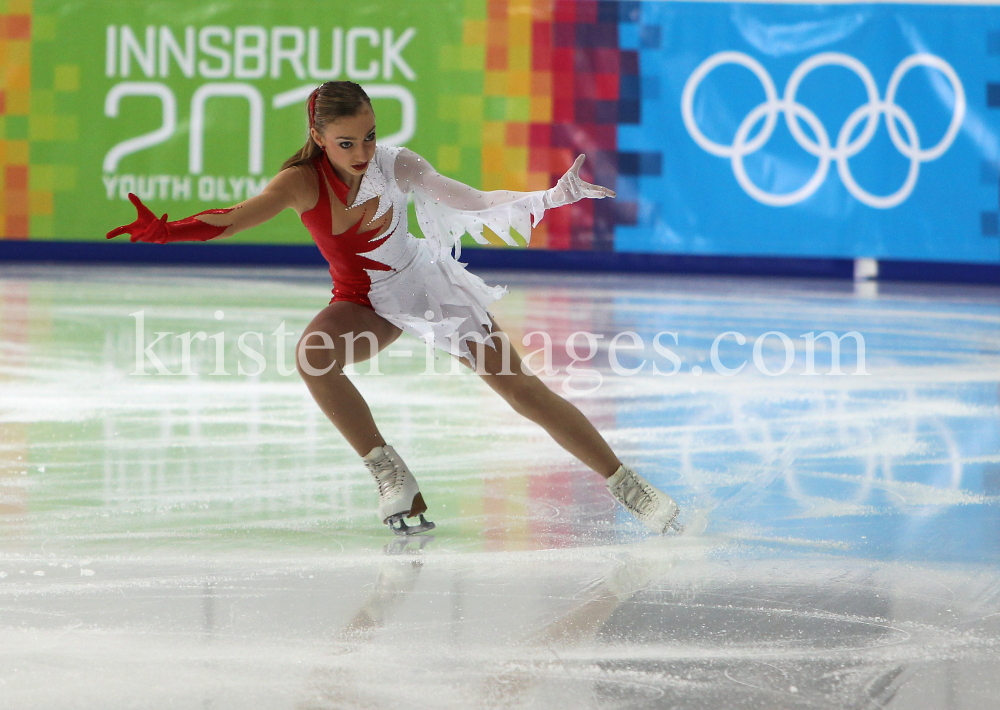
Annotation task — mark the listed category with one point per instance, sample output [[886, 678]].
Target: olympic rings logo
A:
[[845, 147]]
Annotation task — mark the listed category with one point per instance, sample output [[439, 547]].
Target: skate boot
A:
[[398, 494], [654, 508]]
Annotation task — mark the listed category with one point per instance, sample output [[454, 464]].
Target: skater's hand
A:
[[146, 227], [571, 188]]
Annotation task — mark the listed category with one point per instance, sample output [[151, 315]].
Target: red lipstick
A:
[[360, 166]]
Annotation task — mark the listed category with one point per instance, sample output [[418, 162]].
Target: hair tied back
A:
[[311, 107]]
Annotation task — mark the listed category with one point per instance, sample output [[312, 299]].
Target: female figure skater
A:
[[351, 195]]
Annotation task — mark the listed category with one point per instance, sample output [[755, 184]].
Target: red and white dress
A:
[[416, 284]]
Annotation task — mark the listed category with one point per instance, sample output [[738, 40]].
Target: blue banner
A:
[[814, 130]]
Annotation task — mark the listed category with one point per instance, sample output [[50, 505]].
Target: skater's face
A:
[[349, 141]]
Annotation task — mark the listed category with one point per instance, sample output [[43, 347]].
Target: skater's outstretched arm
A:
[[414, 173], [287, 189], [447, 209]]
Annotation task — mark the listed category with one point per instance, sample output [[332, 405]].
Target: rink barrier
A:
[[516, 259]]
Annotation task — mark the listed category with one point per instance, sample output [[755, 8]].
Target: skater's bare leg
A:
[[532, 398], [333, 391]]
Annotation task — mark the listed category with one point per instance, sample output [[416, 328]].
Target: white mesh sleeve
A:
[[447, 209]]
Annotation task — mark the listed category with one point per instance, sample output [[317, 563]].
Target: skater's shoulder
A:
[[388, 151], [299, 184], [386, 158], [385, 155]]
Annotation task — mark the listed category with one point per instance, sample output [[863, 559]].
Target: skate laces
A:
[[388, 474], [635, 495]]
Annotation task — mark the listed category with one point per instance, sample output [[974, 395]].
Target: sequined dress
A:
[[418, 285]]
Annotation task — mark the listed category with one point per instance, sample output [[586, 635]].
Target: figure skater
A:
[[351, 195]]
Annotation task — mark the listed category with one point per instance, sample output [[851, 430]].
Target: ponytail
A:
[[308, 153]]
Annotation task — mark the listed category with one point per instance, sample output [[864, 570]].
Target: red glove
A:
[[147, 228]]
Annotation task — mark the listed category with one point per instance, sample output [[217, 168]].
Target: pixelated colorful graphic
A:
[[556, 84], [508, 93], [15, 106], [38, 125]]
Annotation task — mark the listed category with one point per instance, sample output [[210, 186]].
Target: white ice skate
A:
[[654, 508], [398, 494]]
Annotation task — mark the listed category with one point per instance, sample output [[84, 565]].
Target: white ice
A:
[[208, 540]]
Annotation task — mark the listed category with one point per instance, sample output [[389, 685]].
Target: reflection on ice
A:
[[209, 541]]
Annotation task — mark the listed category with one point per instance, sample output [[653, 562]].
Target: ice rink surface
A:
[[208, 541]]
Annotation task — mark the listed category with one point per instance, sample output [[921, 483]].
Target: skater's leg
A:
[[529, 396], [532, 398], [341, 334], [333, 391]]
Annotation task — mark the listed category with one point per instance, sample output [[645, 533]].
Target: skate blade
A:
[[674, 525], [399, 526]]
